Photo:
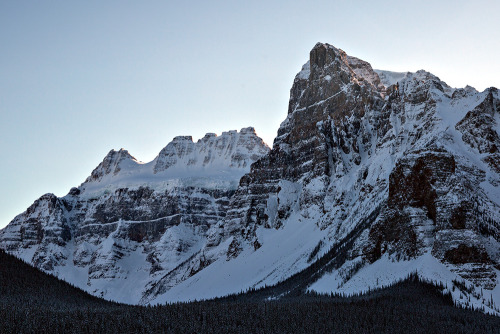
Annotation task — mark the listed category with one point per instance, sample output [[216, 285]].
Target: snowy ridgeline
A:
[[214, 162]]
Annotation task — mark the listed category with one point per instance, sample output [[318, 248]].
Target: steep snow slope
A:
[[388, 78]]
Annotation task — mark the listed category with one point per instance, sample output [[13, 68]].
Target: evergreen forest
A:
[[34, 302]]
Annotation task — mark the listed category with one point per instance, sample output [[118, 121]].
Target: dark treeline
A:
[[34, 302]]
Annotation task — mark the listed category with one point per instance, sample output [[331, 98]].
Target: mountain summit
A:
[[380, 173]]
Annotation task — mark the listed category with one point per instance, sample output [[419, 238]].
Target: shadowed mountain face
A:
[[399, 167]]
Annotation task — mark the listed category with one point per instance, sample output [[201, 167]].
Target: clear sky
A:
[[78, 78]]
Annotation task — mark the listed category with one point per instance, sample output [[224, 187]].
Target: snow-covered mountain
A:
[[130, 223], [399, 170]]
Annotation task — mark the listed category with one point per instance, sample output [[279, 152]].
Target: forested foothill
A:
[[34, 302]]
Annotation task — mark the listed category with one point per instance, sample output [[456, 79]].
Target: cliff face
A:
[[322, 139], [401, 164]]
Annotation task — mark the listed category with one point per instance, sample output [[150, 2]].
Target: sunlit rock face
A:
[[399, 167]]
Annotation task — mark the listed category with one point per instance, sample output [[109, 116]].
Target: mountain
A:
[[373, 175], [129, 223]]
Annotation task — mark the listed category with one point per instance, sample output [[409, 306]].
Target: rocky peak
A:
[[110, 165], [323, 136], [249, 130], [365, 72], [232, 149], [325, 60], [325, 56], [352, 146], [182, 139], [332, 99], [331, 71], [207, 136]]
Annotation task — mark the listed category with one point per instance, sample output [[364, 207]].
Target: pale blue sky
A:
[[78, 78]]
